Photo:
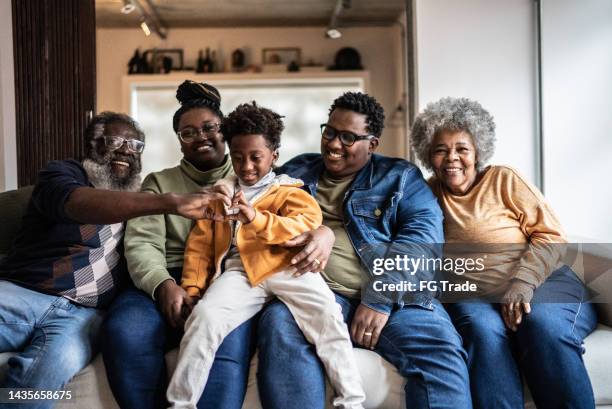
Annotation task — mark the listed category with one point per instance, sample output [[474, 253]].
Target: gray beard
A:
[[102, 178]]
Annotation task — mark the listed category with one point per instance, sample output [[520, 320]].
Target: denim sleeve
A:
[[55, 184], [418, 235], [384, 308]]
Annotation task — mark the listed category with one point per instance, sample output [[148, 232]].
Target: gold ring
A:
[[317, 261], [367, 334]]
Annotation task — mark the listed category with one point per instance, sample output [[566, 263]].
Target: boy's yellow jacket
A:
[[283, 211]]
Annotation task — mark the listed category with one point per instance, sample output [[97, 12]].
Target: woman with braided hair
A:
[[147, 319]]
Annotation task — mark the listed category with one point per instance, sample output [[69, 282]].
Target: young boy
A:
[[270, 209]]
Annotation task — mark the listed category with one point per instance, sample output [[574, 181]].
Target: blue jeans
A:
[[546, 348], [135, 338], [419, 341], [54, 339]]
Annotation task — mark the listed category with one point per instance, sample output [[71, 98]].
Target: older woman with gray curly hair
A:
[[530, 313]]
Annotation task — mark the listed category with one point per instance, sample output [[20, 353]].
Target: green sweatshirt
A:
[[155, 243]]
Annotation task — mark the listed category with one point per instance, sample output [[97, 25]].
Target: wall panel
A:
[[54, 54]]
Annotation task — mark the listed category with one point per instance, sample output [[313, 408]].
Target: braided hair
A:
[[191, 95]]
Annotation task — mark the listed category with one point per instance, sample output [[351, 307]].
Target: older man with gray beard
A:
[[66, 261]]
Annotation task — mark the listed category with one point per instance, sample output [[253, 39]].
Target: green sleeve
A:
[[145, 246]]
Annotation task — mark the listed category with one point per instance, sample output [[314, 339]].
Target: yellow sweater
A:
[[282, 212], [503, 209]]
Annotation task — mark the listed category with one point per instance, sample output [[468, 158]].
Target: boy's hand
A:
[[246, 212], [188, 307]]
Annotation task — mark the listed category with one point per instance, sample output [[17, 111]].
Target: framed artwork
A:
[[283, 56]]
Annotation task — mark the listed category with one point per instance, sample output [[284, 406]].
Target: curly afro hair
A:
[[192, 95], [250, 119], [455, 115], [363, 104]]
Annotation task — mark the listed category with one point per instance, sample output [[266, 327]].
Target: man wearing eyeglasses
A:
[[66, 261], [374, 205]]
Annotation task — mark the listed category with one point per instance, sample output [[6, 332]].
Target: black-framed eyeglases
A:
[[190, 134], [347, 138], [116, 142]]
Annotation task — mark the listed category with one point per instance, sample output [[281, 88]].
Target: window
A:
[[303, 101]]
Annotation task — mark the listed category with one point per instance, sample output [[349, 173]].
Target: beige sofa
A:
[[384, 387]]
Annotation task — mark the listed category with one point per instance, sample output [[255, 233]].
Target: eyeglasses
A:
[[347, 138], [116, 142], [189, 134]]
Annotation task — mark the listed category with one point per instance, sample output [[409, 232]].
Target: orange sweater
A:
[[282, 212], [500, 210]]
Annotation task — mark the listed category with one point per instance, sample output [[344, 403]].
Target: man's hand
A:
[[515, 303], [199, 205], [174, 303], [318, 244], [367, 325]]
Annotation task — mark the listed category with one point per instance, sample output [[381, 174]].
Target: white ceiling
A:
[[253, 13]]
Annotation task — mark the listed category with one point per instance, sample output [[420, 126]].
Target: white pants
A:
[[231, 300]]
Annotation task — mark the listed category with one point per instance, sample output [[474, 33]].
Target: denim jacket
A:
[[389, 209]]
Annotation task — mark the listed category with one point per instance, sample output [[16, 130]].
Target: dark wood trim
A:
[[55, 80]]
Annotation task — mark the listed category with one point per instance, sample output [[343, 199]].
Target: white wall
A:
[[8, 147], [483, 50], [379, 47], [577, 114]]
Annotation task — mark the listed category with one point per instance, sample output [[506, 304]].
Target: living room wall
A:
[[380, 49]]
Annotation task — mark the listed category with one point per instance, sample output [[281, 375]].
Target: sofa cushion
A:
[[13, 204], [598, 361], [383, 385], [90, 389]]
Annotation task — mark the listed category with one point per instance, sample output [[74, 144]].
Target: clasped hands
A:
[[516, 303], [244, 212]]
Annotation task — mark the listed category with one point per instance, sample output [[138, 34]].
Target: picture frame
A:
[[282, 55], [164, 60]]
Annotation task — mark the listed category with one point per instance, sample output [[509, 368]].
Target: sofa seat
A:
[[383, 385]]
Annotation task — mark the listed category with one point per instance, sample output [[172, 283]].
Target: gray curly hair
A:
[[455, 115]]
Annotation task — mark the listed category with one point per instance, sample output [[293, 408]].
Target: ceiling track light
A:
[[150, 21], [332, 31], [128, 7], [145, 28]]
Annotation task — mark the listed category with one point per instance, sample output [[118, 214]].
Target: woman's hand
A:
[[174, 303], [515, 303], [317, 245], [367, 325]]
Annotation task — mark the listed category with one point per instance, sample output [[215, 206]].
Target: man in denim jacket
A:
[[378, 208]]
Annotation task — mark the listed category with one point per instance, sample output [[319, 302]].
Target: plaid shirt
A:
[[56, 255]]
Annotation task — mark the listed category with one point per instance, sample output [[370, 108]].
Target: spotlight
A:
[[145, 28], [128, 7], [333, 33]]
